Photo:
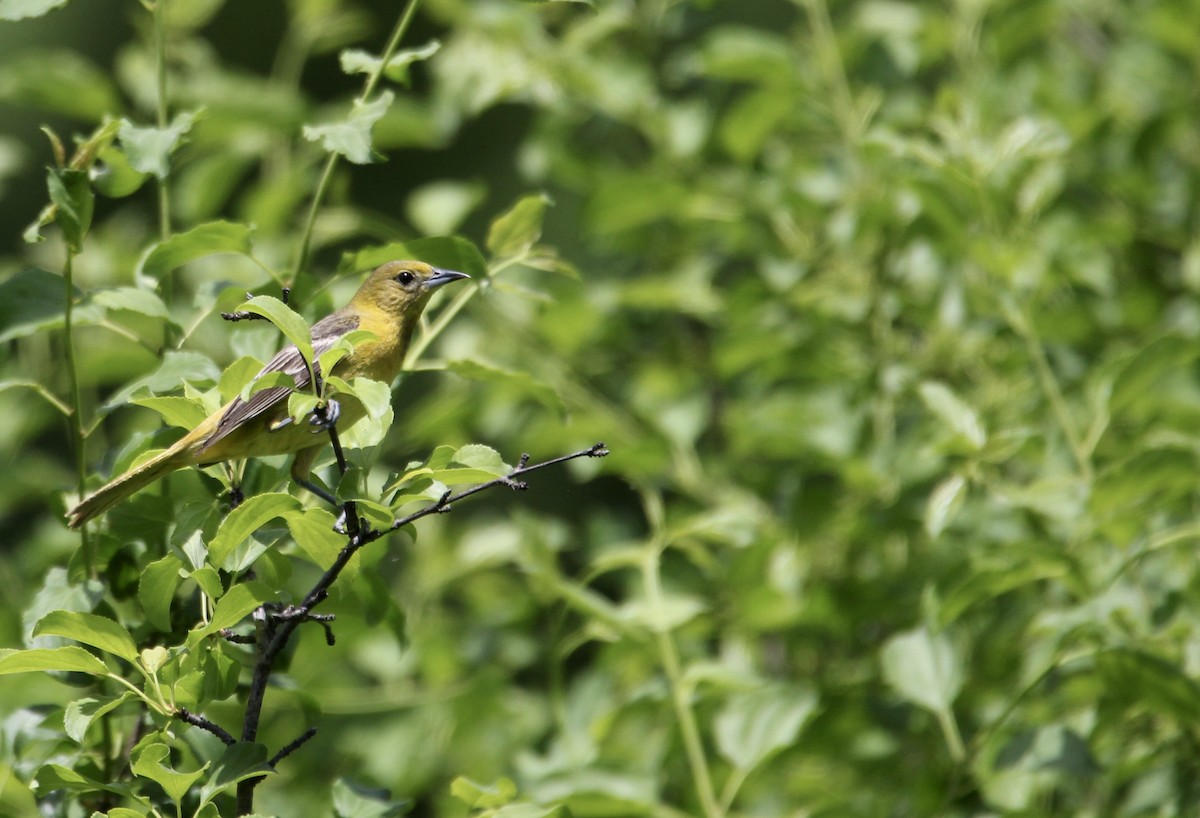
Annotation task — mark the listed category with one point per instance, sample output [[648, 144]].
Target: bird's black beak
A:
[[441, 277]]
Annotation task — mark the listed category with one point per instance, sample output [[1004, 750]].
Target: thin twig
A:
[[277, 628], [185, 715], [293, 746], [246, 315]]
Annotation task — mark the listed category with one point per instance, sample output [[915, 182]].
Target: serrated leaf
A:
[[202, 240], [484, 458], [149, 148], [147, 760], [356, 61], [515, 231], [69, 658], [245, 520], [753, 726], [80, 714], [352, 138], [90, 629]]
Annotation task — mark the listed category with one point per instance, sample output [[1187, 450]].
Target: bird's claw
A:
[[325, 417], [339, 525]]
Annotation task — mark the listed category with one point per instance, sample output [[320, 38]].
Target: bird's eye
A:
[[406, 277]]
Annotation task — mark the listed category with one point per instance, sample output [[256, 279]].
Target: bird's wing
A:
[[325, 333]]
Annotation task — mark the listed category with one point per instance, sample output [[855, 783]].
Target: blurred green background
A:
[[888, 312]]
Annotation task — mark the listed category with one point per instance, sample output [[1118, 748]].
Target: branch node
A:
[[229, 635], [598, 450]]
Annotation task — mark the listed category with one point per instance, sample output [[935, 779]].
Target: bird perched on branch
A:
[[388, 305]]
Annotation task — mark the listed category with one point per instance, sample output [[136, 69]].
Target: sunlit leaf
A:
[[352, 138]]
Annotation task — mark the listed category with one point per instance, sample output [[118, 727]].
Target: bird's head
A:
[[403, 287]]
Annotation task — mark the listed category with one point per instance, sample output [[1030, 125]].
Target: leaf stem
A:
[[669, 658], [160, 65], [76, 413], [331, 161]]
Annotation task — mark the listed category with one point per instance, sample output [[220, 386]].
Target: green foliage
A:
[[888, 313]]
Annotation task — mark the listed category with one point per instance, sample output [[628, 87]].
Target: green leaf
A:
[[245, 520], [518, 229], [69, 659], [288, 321], [176, 367], [447, 252], [21, 9], [483, 796], [352, 138], [240, 761], [184, 413], [55, 80], [134, 299], [753, 726], [90, 629], [156, 590], [670, 611], [924, 668], [376, 397], [312, 528], [31, 300], [355, 61], [149, 148], [147, 760], [113, 176], [955, 413], [71, 193], [80, 714], [944, 502], [202, 240], [239, 375], [483, 458], [237, 604]]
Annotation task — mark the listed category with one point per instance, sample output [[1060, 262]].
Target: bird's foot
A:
[[325, 417]]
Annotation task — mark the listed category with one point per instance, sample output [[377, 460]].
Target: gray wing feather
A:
[[289, 361]]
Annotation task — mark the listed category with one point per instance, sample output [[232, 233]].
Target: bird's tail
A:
[[116, 490]]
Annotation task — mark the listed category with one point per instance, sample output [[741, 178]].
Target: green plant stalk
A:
[[332, 161], [76, 413], [1058, 404], [160, 65], [669, 658]]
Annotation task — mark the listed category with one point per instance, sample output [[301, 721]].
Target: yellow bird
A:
[[388, 305]]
